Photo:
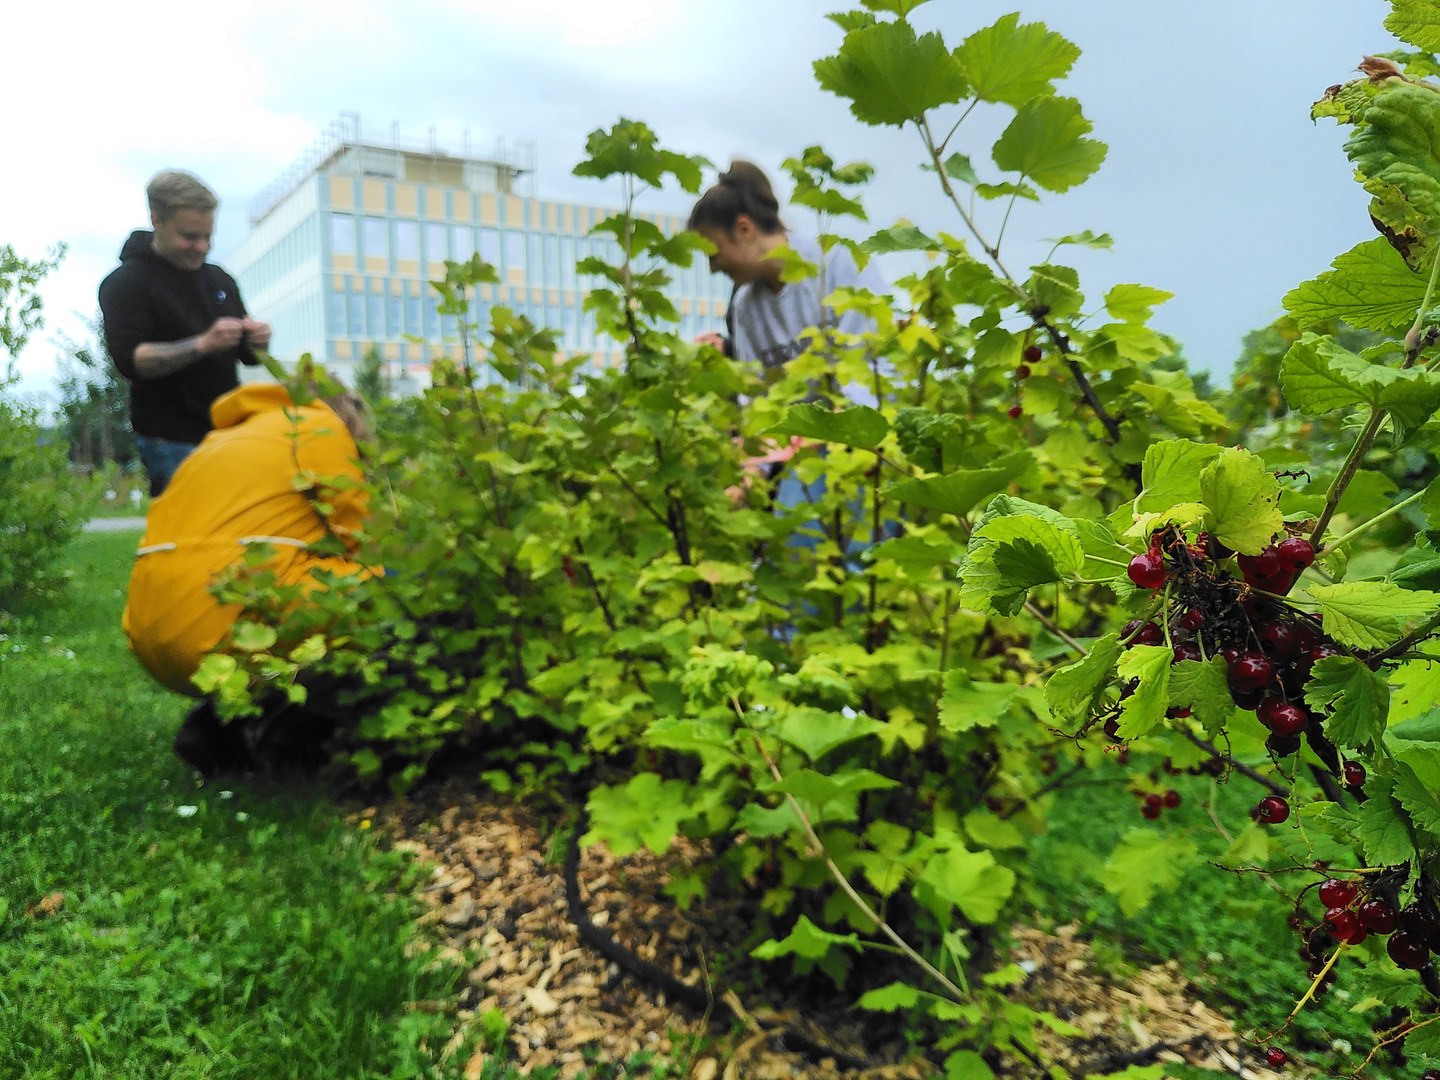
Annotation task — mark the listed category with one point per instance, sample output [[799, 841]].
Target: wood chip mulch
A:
[[496, 894]]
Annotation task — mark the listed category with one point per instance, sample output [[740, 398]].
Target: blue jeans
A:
[[161, 458]]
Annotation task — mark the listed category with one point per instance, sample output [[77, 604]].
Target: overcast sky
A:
[[1217, 186]]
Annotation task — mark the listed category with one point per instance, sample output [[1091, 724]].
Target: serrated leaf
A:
[[646, 811], [890, 998], [767, 821], [833, 798], [1369, 287], [1318, 376], [1073, 692], [1357, 699], [1085, 238], [1416, 22], [1393, 150], [1170, 473], [1242, 499], [891, 76], [1134, 303], [1144, 863], [1202, 688], [1146, 705], [966, 704], [1414, 690], [1380, 828], [1011, 64], [958, 167], [805, 940], [1417, 780], [899, 238], [1056, 288], [1371, 614], [818, 731], [1046, 143], [960, 491], [972, 881], [1007, 556], [859, 426]]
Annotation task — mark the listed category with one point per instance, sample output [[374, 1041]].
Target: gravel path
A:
[[117, 524]]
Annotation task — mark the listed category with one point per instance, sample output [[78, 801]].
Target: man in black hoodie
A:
[[175, 325]]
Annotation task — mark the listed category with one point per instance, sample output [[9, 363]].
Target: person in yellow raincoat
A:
[[236, 489]]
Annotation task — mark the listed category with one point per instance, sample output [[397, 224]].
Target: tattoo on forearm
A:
[[154, 360]]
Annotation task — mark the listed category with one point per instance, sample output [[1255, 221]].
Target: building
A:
[[343, 246]]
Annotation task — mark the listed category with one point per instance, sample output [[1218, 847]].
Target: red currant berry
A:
[[1023, 371], [1150, 808], [1177, 712], [1272, 810], [1250, 672], [1186, 650], [1378, 916], [1282, 717], [1171, 799], [1321, 651], [1263, 566], [1276, 1058], [1015, 412], [1278, 639], [1354, 773], [1147, 570], [1295, 552], [1033, 353], [1430, 1074], [1192, 620], [1112, 729], [1335, 893], [1342, 922], [1407, 950], [1283, 745]]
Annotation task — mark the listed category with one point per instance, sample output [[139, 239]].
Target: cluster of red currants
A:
[[1352, 914], [1232, 606], [1154, 802], [1032, 355]]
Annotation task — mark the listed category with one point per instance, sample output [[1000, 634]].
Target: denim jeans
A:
[[161, 458]]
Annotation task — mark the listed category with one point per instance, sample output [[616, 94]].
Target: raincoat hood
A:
[[242, 403]]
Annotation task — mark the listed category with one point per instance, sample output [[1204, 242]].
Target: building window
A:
[[514, 251], [534, 265], [336, 313], [357, 313], [490, 246], [375, 303], [432, 317], [407, 240], [342, 234], [435, 242], [394, 324], [376, 238], [552, 261], [413, 324], [462, 242]]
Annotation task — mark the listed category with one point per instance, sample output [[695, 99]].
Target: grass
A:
[[195, 931], [1227, 930]]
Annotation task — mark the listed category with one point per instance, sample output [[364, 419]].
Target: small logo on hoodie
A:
[[220, 295]]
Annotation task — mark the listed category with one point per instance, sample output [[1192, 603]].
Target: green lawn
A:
[[200, 932]]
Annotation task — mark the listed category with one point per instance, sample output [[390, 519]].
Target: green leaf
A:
[[630, 148], [1146, 705], [818, 731], [805, 940], [1380, 827], [1414, 690], [645, 812], [1011, 64], [1086, 238], [1369, 287], [972, 881], [1046, 142], [1371, 614], [958, 167], [833, 798], [1242, 498], [1009, 555], [1074, 692], [900, 238], [966, 704], [1417, 781], [1171, 472], [890, 76], [1356, 697], [859, 426], [967, 1065], [958, 492], [1056, 288], [1202, 688], [1319, 376], [1144, 863], [1416, 22], [254, 637], [1134, 303], [890, 998], [1393, 149]]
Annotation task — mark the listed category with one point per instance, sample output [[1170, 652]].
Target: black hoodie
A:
[[149, 299]]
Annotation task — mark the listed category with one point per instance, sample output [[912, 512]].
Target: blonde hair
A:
[[173, 190], [351, 408]]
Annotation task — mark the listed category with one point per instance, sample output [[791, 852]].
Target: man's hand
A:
[[714, 340], [224, 333], [257, 333]]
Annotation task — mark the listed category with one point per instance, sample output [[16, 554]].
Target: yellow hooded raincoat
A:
[[238, 488]]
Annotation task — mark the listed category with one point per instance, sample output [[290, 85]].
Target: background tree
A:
[[92, 414], [372, 379]]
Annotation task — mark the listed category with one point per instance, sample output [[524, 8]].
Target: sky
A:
[[1217, 186]]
